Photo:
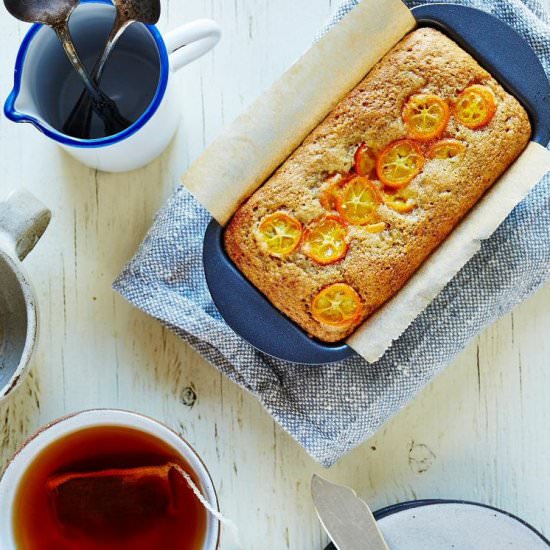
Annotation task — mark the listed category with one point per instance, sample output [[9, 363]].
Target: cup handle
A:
[[191, 41], [23, 220]]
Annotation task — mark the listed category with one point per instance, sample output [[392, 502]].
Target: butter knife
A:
[[346, 518]]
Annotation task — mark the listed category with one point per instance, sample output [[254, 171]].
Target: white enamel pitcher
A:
[[139, 77]]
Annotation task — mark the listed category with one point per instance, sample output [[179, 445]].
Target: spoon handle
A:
[[64, 36], [116, 32], [79, 120]]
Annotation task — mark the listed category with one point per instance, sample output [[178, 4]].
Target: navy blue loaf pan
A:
[[500, 50]]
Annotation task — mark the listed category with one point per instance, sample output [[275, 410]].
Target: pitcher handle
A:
[[191, 41], [23, 220]]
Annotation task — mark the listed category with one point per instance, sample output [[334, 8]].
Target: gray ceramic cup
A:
[[23, 220]]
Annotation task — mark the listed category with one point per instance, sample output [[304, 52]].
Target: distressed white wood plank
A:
[[479, 431]]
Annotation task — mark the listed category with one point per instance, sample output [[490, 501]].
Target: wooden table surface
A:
[[478, 432]]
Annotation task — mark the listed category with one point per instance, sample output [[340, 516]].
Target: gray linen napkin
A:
[[331, 409]]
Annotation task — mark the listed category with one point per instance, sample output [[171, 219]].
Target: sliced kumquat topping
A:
[[279, 234], [401, 201], [425, 116], [399, 163], [325, 240], [337, 305], [328, 197], [446, 149], [376, 227], [365, 160], [330, 191], [475, 106], [358, 201]]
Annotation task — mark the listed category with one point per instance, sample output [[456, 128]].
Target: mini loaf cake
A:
[[377, 186]]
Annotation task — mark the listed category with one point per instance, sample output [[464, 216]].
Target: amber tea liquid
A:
[[37, 527]]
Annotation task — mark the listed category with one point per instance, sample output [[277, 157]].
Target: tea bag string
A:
[[231, 527]]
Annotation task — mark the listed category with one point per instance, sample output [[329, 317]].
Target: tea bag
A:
[[120, 501], [114, 501]]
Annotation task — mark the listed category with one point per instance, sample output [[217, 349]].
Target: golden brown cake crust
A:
[[377, 265]]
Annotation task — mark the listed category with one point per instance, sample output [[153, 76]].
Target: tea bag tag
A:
[[231, 527]]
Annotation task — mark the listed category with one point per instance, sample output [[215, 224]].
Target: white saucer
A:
[[456, 526]]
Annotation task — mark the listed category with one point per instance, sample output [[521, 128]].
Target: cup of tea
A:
[[138, 77], [107, 480], [23, 220]]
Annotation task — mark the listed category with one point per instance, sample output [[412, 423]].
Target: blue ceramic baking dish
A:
[[500, 50]]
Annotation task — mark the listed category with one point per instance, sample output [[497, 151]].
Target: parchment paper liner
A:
[[260, 140]]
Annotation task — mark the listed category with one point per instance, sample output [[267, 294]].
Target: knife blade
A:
[[346, 518]]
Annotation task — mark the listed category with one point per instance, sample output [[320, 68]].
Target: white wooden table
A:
[[479, 432]]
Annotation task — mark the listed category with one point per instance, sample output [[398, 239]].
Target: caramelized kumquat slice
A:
[[279, 234], [399, 163], [325, 240], [376, 227], [358, 201], [425, 116], [337, 305], [365, 160], [446, 149], [475, 106], [330, 191], [401, 201]]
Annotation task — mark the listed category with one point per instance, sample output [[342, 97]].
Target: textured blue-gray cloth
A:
[[331, 409]]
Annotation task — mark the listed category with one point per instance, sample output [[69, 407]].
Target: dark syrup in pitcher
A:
[[129, 81], [71, 498], [131, 76]]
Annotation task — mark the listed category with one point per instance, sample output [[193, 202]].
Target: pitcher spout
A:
[[13, 113], [19, 105]]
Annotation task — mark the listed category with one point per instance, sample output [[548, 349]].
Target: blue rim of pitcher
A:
[[12, 114]]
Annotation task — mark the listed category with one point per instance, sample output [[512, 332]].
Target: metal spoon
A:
[[56, 14], [128, 12]]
